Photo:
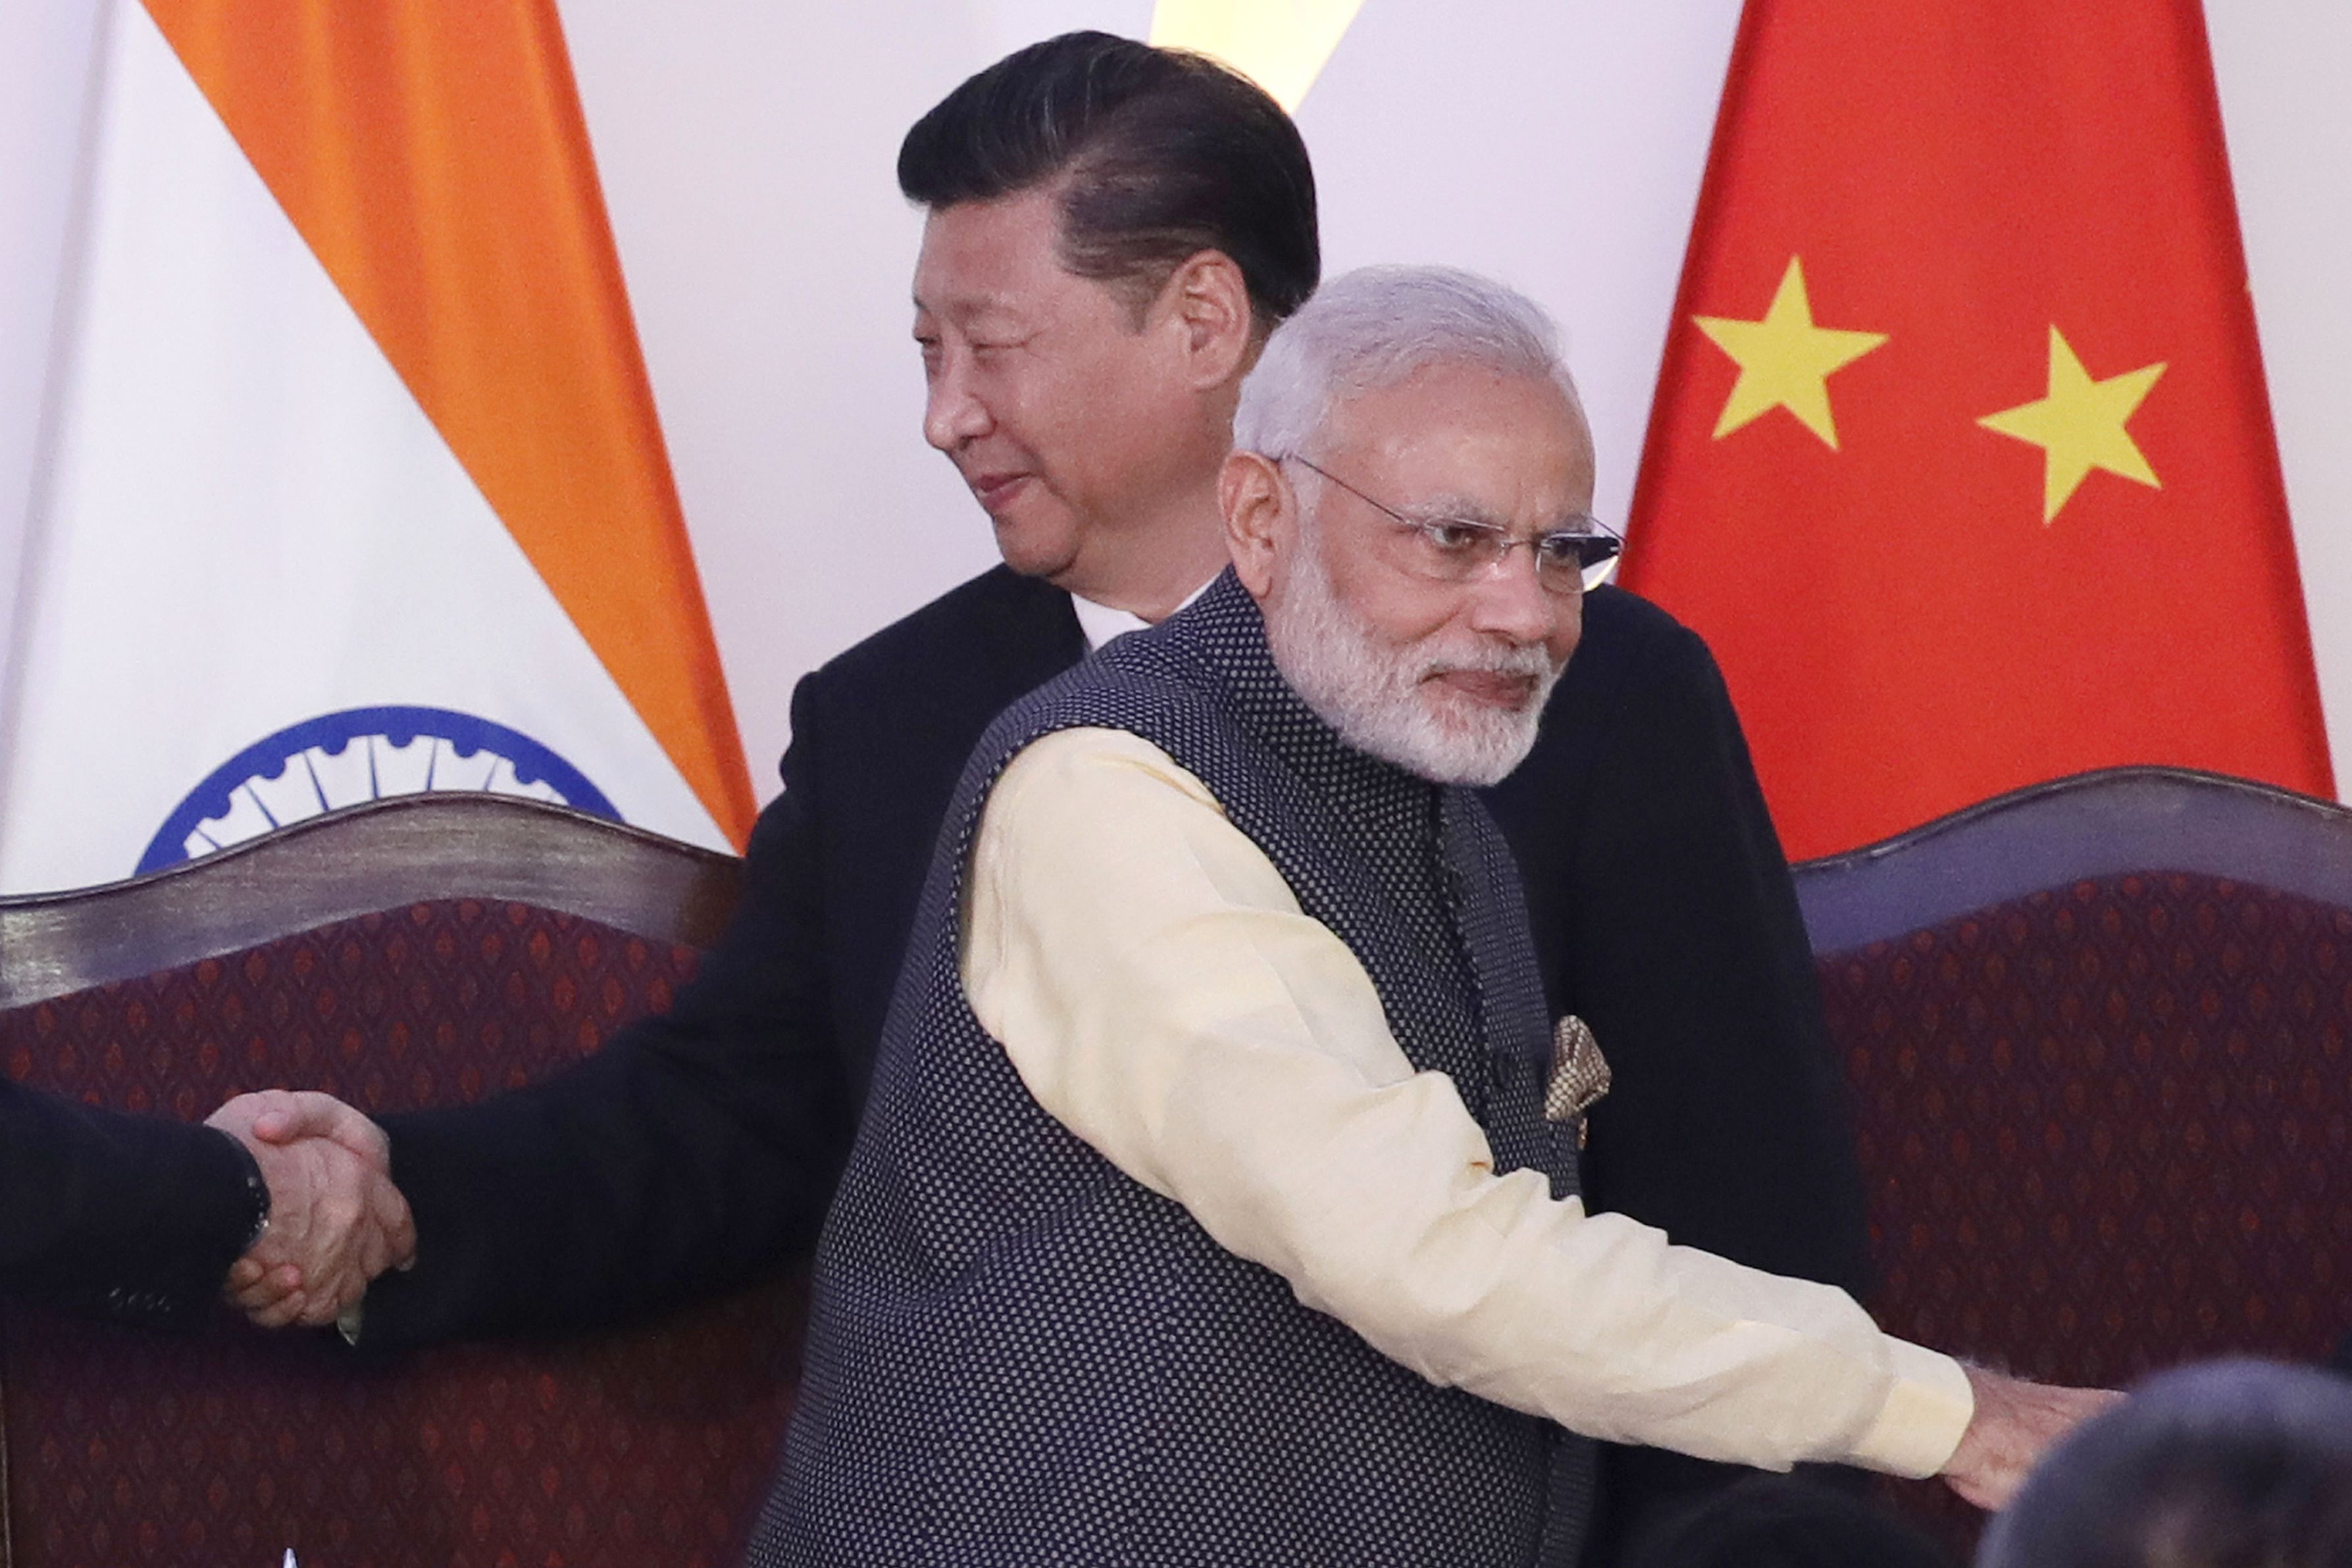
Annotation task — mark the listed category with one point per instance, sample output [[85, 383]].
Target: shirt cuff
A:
[[1924, 1417], [257, 1192]]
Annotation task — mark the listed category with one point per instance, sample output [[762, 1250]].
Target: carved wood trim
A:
[[384, 855], [2108, 822]]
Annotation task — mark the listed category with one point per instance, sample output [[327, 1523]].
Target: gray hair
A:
[[1368, 329], [2230, 1462]]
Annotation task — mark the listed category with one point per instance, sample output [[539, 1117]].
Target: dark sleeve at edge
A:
[[131, 1217], [1683, 947], [698, 1150]]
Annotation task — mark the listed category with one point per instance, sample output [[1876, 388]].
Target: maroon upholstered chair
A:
[[417, 951], [2099, 1038]]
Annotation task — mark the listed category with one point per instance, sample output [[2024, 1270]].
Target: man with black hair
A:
[[1112, 231]]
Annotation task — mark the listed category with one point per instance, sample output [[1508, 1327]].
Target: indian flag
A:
[[354, 485]]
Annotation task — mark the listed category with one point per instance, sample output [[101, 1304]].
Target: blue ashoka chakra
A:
[[358, 755]]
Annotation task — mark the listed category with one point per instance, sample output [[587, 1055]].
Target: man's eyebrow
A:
[[970, 307], [1451, 508]]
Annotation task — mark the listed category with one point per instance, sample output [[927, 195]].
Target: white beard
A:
[[1377, 694]]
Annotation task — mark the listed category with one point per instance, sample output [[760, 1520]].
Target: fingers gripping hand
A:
[[255, 1290], [357, 1226], [387, 1235], [271, 1293], [336, 1220], [288, 1116]]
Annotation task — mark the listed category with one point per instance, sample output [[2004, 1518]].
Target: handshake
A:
[[335, 1219]]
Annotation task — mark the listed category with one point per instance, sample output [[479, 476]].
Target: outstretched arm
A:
[[1161, 992], [696, 1150], [133, 1218]]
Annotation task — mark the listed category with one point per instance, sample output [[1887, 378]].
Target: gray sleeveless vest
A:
[[1019, 1355]]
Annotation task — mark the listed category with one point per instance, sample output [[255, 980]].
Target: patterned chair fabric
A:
[[621, 1447], [2096, 1034]]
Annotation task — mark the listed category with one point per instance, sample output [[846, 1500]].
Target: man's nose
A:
[[1508, 600], [953, 414]]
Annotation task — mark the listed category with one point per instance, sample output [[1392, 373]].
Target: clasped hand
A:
[[335, 1219]]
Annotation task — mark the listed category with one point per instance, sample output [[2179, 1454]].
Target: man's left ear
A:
[[1208, 306]]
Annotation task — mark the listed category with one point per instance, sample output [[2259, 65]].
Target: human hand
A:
[[2014, 1422], [335, 1219]]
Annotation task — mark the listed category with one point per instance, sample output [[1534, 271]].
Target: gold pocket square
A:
[[1580, 1074]]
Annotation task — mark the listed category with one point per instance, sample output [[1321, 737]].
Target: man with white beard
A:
[[1217, 1197], [1455, 701]]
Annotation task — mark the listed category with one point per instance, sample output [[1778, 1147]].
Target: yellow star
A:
[[1785, 361], [2080, 425]]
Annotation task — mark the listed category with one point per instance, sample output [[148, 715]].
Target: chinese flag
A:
[[1960, 458]]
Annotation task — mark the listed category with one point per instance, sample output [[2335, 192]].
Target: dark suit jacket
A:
[[699, 1148], [133, 1218]]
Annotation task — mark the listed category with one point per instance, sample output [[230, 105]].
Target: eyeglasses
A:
[[1456, 549]]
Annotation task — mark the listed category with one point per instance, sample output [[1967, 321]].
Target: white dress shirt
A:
[[1101, 622], [1162, 994]]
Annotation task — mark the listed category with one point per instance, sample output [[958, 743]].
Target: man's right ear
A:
[[1260, 512]]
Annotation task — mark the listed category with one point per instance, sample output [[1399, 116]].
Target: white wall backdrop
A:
[[2284, 70], [746, 148], [48, 53]]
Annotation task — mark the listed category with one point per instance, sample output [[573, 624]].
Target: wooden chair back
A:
[[2099, 1038], [420, 950]]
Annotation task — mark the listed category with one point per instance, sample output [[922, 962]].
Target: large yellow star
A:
[[2080, 425], [1785, 361]]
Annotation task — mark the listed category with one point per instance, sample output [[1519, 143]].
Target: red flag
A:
[[1962, 458]]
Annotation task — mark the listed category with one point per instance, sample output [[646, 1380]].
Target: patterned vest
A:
[[1019, 1355]]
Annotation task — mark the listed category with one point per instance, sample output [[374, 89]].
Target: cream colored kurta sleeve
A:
[[1162, 994]]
